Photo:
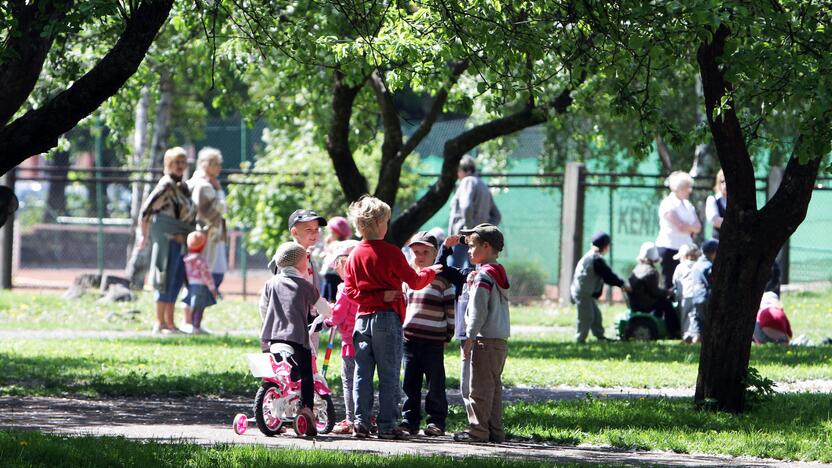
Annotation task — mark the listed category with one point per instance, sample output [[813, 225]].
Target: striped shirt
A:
[[430, 312]]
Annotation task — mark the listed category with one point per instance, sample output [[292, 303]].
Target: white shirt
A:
[[711, 210], [669, 237]]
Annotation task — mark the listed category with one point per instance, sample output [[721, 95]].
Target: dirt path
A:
[[208, 421]]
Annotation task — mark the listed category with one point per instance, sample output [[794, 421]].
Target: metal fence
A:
[[52, 247]]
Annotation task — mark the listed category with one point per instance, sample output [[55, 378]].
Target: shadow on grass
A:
[[662, 352], [100, 376], [788, 426]]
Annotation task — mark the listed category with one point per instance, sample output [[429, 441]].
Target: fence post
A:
[[572, 218], [7, 239], [775, 176], [99, 195], [243, 250]]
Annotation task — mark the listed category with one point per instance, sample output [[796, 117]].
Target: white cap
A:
[[770, 299], [649, 252], [687, 250], [339, 249]]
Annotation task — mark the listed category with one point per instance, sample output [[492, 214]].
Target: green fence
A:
[[810, 249]]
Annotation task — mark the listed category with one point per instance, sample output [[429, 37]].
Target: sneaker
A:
[[188, 329], [408, 428], [361, 431], [343, 427], [467, 437], [157, 329], [395, 434], [433, 430], [373, 425]]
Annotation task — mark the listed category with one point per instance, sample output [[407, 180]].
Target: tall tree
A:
[[339, 64], [30, 30], [761, 64]]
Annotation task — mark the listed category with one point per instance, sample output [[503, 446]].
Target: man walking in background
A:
[[471, 205]]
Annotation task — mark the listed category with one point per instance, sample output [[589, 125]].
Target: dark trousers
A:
[[301, 362], [668, 265], [424, 358], [664, 310]]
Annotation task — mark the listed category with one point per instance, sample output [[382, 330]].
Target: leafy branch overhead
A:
[[32, 30], [341, 66]]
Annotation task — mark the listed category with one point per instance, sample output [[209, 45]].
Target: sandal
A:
[[343, 427]]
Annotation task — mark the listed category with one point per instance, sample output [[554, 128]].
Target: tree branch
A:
[[438, 193], [725, 128], [439, 101], [38, 130], [353, 183], [789, 204], [25, 51], [391, 164]]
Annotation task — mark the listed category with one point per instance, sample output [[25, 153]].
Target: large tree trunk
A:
[[38, 130], [749, 238], [138, 261], [56, 200]]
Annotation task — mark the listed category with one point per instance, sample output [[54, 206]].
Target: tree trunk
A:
[[138, 261], [353, 183], [56, 200], [139, 149], [749, 238]]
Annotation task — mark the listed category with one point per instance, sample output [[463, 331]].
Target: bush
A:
[[527, 280]]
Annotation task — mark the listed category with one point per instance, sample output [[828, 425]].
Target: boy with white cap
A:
[[683, 285], [700, 291]]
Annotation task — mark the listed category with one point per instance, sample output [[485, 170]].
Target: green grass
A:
[[215, 366], [24, 310], [32, 449], [789, 427]]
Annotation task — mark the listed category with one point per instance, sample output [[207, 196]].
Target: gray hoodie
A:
[[487, 314]]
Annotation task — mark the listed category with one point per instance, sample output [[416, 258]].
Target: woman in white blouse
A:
[[716, 205], [677, 222]]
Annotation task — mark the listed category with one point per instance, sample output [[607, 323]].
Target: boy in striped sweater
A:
[[428, 328]]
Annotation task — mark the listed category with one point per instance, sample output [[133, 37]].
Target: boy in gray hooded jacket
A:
[[487, 328]]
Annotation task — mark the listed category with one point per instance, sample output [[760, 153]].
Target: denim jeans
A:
[[424, 359], [378, 344]]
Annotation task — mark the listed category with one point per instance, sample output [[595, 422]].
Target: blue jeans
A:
[[378, 344]]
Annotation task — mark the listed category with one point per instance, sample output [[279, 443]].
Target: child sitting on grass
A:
[[374, 268], [284, 307], [428, 328], [487, 328], [202, 292]]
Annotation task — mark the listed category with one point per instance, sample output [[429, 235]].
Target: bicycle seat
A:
[[282, 349]]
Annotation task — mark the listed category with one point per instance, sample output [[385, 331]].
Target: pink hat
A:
[[340, 226]]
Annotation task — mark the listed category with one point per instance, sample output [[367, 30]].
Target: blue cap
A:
[[601, 239], [710, 246]]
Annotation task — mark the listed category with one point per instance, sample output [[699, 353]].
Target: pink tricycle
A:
[[277, 402]]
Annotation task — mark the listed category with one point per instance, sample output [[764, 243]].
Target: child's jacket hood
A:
[[498, 272]]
